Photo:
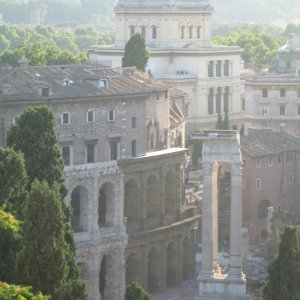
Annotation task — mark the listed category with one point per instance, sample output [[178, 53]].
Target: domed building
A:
[[178, 36]]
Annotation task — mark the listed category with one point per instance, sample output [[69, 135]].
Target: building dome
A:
[[162, 3]]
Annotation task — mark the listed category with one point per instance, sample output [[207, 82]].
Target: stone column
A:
[[236, 221], [210, 220]]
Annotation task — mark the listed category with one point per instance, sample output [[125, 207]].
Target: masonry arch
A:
[[131, 207], [106, 204], [170, 192], [154, 263], [79, 204], [132, 268], [152, 197], [187, 259], [171, 264], [262, 211]]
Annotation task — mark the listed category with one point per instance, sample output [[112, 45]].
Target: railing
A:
[[178, 75]]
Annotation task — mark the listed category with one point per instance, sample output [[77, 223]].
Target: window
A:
[[282, 92], [182, 32], [133, 148], [111, 115], [91, 116], [258, 163], [191, 32], [143, 32], [90, 153], [270, 161], [226, 100], [264, 109], [210, 100], [218, 100], [45, 92], [226, 68], [291, 178], [114, 149], [198, 32], [258, 186], [65, 118], [243, 104], [132, 30], [265, 93], [103, 83], [154, 32], [282, 109], [133, 122], [211, 69], [218, 68], [66, 154]]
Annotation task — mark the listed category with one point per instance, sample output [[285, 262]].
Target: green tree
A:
[[136, 53], [284, 272], [135, 291], [34, 136]]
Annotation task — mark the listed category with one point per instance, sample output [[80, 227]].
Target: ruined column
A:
[[210, 219], [236, 221]]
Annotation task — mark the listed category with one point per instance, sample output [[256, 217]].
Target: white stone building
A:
[[178, 35]]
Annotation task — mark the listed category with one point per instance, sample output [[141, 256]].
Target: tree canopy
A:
[[135, 291], [284, 272], [136, 53]]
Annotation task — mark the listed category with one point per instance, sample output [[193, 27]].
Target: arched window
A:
[[191, 32], [210, 101], [198, 32], [143, 32], [132, 30], [226, 99], [154, 32], [182, 32], [218, 100]]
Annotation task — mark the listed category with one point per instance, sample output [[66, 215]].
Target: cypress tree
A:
[[136, 54], [284, 272], [35, 137]]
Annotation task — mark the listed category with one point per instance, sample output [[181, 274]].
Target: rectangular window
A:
[[258, 187], [210, 102], [66, 154], [111, 115], [45, 92], [133, 122], [65, 118], [264, 109], [114, 149], [219, 68], [90, 153], [282, 109], [243, 104], [265, 93], [291, 178], [133, 148], [226, 68], [91, 116], [258, 163], [211, 69], [270, 161], [198, 32], [282, 92], [103, 83]]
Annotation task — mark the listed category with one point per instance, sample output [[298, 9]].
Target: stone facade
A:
[[125, 181], [178, 35]]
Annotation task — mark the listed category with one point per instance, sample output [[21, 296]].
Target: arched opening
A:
[[262, 211], [132, 268], [171, 265], [102, 278], [170, 192], [152, 197], [154, 32], [132, 30], [218, 100], [210, 101], [191, 32], [106, 205], [131, 201], [187, 260], [182, 32], [143, 32], [153, 270], [79, 204]]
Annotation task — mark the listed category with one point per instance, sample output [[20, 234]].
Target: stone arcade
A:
[[221, 149]]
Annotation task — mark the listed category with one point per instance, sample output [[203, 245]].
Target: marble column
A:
[[236, 222], [210, 219]]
